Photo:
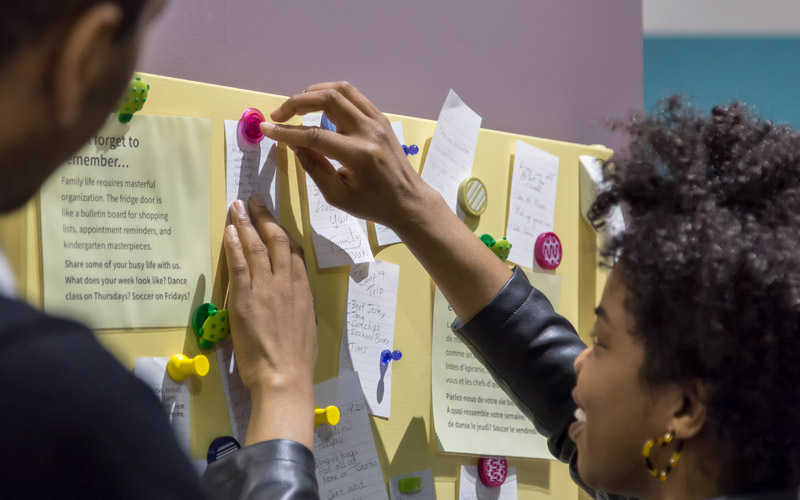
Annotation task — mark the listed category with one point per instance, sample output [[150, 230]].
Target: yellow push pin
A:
[[329, 415], [180, 367]]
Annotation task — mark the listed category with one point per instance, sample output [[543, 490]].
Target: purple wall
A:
[[553, 68]]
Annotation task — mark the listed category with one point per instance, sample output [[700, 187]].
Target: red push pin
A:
[[250, 126], [547, 250], [492, 471]]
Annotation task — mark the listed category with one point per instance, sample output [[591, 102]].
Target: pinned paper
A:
[[532, 202], [347, 465], [339, 238], [452, 149], [591, 184], [470, 486], [385, 235], [369, 329], [236, 395], [173, 395], [428, 491], [251, 169]]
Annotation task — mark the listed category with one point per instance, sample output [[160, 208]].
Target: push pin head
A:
[[250, 126], [410, 150], [133, 100], [472, 196], [501, 247], [210, 325], [547, 250], [492, 471], [222, 447], [325, 123], [387, 355], [329, 415], [179, 366], [410, 484]]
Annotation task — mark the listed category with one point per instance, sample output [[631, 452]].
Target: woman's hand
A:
[[272, 322], [376, 181]]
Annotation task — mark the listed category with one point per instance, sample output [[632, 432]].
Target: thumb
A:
[[322, 173]]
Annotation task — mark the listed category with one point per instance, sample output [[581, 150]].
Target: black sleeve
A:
[[530, 351], [76, 424]]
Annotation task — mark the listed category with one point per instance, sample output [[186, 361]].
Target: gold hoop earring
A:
[[661, 475]]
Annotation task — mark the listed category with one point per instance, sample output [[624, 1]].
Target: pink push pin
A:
[[249, 126], [547, 250], [492, 471]]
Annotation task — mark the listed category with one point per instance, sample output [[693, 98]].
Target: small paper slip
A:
[[236, 395], [532, 202], [339, 238], [385, 235], [251, 169], [428, 491], [173, 395], [368, 329], [470, 486], [452, 149], [347, 463]]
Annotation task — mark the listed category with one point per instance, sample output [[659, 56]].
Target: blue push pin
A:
[[327, 124], [410, 150], [387, 355]]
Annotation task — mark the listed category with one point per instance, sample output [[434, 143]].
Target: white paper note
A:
[[339, 238], [173, 395], [428, 491], [236, 395], [347, 463], [368, 329], [385, 235], [470, 486], [452, 149], [532, 202], [251, 169]]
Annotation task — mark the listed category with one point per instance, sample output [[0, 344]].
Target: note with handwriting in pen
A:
[[236, 395], [452, 149], [368, 329], [251, 169], [383, 234], [532, 201], [339, 238], [345, 457], [174, 396]]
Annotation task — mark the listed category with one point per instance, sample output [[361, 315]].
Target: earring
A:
[[661, 475]]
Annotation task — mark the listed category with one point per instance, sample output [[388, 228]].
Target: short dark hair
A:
[[23, 21], [711, 257]]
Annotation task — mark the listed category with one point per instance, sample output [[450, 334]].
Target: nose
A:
[[580, 359]]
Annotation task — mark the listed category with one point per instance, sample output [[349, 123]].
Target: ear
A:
[[688, 421], [85, 49]]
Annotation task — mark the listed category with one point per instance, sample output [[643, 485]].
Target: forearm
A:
[[281, 413], [465, 270]]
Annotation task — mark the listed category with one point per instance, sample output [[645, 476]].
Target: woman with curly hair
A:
[[691, 389]]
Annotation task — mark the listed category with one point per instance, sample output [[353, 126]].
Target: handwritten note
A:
[[347, 463], [532, 202], [369, 329], [173, 395], [251, 169], [339, 238], [385, 235], [236, 395], [452, 149], [428, 491], [471, 488]]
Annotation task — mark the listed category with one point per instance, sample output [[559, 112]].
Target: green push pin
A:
[[501, 247], [410, 484], [133, 100], [210, 325]]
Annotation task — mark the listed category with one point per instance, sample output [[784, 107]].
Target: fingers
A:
[[322, 173], [337, 146], [352, 94], [274, 236], [252, 247], [338, 108], [238, 270]]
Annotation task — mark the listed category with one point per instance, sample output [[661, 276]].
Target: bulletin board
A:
[[406, 442]]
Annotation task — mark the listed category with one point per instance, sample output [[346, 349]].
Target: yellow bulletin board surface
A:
[[405, 442]]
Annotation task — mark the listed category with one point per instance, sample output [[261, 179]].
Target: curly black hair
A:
[[711, 255]]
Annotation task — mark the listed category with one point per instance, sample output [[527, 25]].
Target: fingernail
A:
[[267, 127], [238, 207], [258, 200], [232, 234]]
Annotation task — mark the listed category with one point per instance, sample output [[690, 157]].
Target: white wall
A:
[[721, 17]]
